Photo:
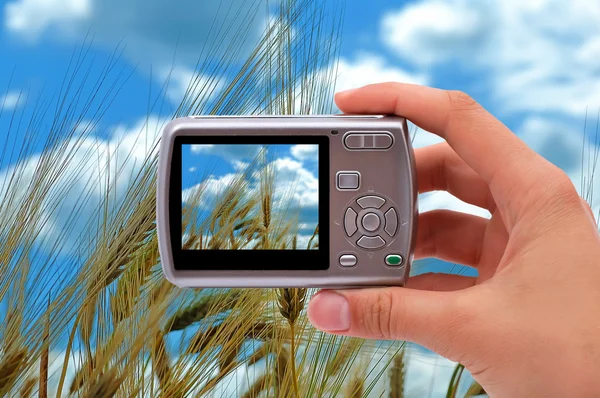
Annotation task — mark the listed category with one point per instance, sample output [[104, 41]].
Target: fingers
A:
[[505, 163], [589, 210], [439, 168], [440, 282], [435, 320], [450, 236]]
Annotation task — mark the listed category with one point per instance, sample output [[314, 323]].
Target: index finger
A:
[[507, 165]]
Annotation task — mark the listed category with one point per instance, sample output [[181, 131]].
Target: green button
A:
[[393, 259]]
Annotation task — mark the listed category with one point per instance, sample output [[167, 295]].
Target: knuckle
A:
[[378, 315], [564, 189], [461, 101], [550, 189], [457, 327]]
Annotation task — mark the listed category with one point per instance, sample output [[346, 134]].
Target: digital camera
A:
[[287, 201]]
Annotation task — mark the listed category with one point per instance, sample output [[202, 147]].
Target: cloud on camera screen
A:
[[250, 196]]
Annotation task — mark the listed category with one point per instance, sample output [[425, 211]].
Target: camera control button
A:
[[348, 180], [391, 222], [394, 260], [371, 222], [350, 222], [371, 242], [370, 201], [348, 260], [355, 141], [382, 141]]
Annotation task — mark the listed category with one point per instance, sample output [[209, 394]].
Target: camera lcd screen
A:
[[250, 202]]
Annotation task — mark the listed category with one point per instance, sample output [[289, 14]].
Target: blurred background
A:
[[86, 85]]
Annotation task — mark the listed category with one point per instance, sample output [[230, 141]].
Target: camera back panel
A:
[[356, 180]]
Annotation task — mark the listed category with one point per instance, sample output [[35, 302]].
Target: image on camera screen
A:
[[250, 196]]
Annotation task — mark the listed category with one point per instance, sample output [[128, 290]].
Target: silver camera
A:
[[287, 201]]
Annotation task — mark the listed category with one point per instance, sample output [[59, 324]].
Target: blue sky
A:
[[533, 64], [212, 168]]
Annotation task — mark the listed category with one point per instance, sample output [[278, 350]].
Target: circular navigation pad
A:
[[371, 222]]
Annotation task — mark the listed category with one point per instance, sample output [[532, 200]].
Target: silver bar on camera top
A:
[[340, 116]]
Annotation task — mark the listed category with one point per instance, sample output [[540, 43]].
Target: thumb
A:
[[436, 320]]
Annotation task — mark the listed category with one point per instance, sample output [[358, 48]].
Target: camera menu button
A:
[[348, 260], [370, 201], [371, 242], [348, 180], [394, 260], [350, 222], [391, 222]]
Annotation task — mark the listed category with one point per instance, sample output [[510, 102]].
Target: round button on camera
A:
[[371, 222], [394, 260], [348, 260]]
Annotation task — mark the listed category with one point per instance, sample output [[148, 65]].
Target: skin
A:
[[529, 324]]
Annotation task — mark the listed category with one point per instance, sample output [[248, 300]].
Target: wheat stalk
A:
[[397, 373], [346, 350], [312, 238], [474, 390], [11, 366], [201, 309], [231, 330], [27, 387], [43, 386], [258, 354], [282, 368], [106, 386], [291, 303], [83, 373], [160, 361], [257, 387], [356, 388]]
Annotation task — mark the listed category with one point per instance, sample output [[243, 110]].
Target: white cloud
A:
[[11, 100], [368, 69], [30, 18], [295, 193], [565, 145], [441, 27], [293, 179], [302, 241], [539, 55], [305, 152], [231, 153], [211, 188], [81, 185], [188, 83], [362, 69], [556, 140], [151, 33]]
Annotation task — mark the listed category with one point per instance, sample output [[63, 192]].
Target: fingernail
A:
[[329, 311], [346, 92]]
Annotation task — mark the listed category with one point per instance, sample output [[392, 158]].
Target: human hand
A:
[[529, 324]]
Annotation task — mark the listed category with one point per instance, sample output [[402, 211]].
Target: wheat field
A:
[[85, 309]]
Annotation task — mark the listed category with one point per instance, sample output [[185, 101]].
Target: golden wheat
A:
[[201, 309], [356, 387], [261, 384], [27, 387], [11, 366], [117, 299], [160, 361], [474, 390], [397, 374], [106, 386]]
